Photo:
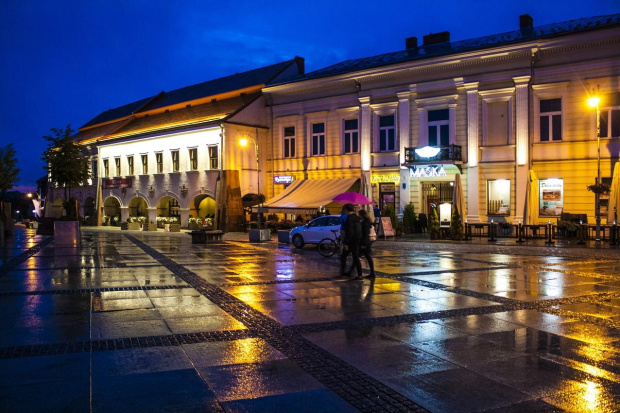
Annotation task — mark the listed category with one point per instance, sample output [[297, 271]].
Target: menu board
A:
[[551, 197], [386, 226]]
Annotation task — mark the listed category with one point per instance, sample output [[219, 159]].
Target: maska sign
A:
[[430, 171]]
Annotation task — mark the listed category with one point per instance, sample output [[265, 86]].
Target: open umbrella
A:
[[352, 198]]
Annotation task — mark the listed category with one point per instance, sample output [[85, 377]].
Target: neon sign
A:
[[385, 178], [427, 151], [283, 179], [430, 171]]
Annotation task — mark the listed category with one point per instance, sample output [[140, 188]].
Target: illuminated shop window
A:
[[351, 136], [499, 197]]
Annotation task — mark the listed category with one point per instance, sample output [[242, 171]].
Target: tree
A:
[[456, 226], [67, 162], [8, 171], [409, 218]]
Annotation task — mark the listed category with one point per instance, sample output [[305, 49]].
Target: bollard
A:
[[466, 231], [582, 235], [520, 233], [492, 232], [549, 241], [614, 235]]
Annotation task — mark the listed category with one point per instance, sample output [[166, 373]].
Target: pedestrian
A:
[[351, 242], [366, 244]]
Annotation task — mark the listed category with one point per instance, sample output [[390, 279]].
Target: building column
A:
[[184, 218], [152, 215], [404, 123], [522, 144], [124, 213], [473, 170], [365, 146]]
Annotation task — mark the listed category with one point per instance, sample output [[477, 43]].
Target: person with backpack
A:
[[351, 242], [367, 240]]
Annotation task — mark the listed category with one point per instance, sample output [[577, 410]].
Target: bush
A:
[[433, 225], [409, 218]]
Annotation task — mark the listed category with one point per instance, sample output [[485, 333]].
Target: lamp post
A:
[[594, 102], [244, 142], [36, 201]]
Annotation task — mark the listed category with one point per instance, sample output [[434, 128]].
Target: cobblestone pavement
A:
[[141, 322]]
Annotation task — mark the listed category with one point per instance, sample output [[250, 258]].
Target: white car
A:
[[315, 230]]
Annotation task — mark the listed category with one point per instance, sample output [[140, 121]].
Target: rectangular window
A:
[[145, 164], [117, 164], [610, 116], [130, 165], [159, 158], [351, 136], [498, 197], [175, 161], [94, 169], [289, 142], [318, 139], [387, 134], [497, 124], [193, 159], [106, 168], [213, 157], [439, 127], [551, 120]]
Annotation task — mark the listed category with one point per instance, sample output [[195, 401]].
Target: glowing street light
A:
[[594, 102]]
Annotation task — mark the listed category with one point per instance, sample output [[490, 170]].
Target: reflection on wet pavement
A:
[[234, 326]]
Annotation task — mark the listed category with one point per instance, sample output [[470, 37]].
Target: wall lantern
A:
[[183, 189], [151, 191]]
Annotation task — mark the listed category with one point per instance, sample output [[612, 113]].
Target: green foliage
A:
[[456, 225], [409, 218], [66, 160], [388, 211], [599, 188], [433, 225], [8, 170]]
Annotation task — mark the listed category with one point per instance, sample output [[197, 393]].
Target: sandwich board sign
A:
[[386, 227]]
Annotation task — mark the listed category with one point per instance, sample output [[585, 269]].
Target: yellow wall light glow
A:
[[594, 101]]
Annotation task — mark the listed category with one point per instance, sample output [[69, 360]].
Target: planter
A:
[[149, 227], [67, 233], [133, 226], [259, 235], [124, 226], [172, 228], [434, 235], [194, 226]]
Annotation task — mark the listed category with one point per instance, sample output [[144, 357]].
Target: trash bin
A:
[[283, 236]]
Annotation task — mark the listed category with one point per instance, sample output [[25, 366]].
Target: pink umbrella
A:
[[352, 198]]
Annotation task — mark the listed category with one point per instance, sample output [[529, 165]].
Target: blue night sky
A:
[[64, 62]]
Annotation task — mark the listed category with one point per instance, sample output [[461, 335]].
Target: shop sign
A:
[[551, 197], [283, 179], [387, 187], [427, 151], [430, 171], [385, 178], [111, 183]]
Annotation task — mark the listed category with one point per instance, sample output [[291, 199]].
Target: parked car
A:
[[315, 230]]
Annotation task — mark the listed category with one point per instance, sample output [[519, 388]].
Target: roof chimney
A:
[[526, 22], [436, 38], [411, 42], [301, 65]]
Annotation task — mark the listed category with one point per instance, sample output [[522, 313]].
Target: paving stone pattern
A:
[[144, 322]]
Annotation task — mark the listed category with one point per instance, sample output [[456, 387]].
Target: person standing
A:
[[351, 242], [366, 243]]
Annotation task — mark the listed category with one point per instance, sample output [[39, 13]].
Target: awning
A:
[[307, 195]]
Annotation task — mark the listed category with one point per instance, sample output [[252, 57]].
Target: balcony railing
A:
[[450, 153]]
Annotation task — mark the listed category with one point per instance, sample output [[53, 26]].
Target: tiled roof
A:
[[425, 52], [230, 83], [97, 132]]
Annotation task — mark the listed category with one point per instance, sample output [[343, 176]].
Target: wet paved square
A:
[[139, 322]]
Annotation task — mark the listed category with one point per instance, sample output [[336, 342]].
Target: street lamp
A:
[[593, 102], [244, 142], [36, 201]]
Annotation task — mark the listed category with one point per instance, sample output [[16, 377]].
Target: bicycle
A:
[[329, 246]]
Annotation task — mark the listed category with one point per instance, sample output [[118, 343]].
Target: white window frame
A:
[[192, 161], [130, 165], [345, 114], [117, 166], [106, 167], [144, 165], [609, 110], [175, 160], [159, 162], [550, 91], [311, 120], [426, 105], [378, 111], [214, 161], [494, 96], [289, 142]]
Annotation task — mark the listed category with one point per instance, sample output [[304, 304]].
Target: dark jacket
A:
[[352, 230], [366, 224]]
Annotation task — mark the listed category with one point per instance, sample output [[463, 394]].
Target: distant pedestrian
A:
[[351, 240], [366, 244]]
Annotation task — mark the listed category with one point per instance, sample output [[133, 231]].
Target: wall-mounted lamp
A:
[[151, 191], [123, 192], [183, 189]]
